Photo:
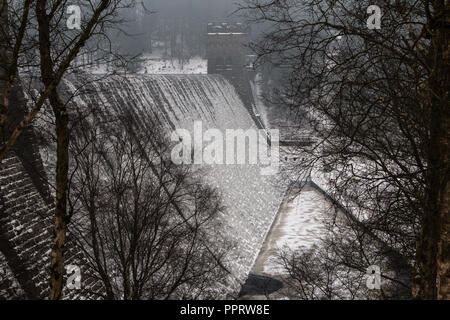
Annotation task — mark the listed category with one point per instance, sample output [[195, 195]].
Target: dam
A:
[[178, 101], [251, 200], [221, 100]]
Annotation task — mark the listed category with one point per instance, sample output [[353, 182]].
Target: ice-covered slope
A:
[[252, 200], [298, 227]]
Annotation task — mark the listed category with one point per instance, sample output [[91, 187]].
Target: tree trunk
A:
[[5, 55], [443, 262], [102, 269], [432, 271], [62, 155], [127, 281], [443, 256], [60, 221]]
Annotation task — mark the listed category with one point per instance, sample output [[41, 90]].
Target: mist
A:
[[172, 29]]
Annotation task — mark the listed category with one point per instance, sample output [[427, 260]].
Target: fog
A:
[[172, 28]]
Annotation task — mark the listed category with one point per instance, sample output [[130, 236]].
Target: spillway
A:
[[177, 101]]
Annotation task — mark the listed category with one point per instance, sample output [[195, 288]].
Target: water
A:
[[251, 200]]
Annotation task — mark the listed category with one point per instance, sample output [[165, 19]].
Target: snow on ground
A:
[[156, 65], [298, 226], [149, 63], [302, 221]]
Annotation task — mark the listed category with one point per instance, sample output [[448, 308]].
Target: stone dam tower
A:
[[227, 56], [226, 49]]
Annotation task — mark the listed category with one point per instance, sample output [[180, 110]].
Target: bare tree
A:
[[136, 242], [43, 35], [377, 101], [310, 276], [336, 267]]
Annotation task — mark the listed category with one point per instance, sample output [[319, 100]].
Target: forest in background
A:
[[171, 29]]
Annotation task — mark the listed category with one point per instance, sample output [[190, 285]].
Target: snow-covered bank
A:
[[299, 226], [156, 65]]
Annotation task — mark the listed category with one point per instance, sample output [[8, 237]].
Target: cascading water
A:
[[177, 101]]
